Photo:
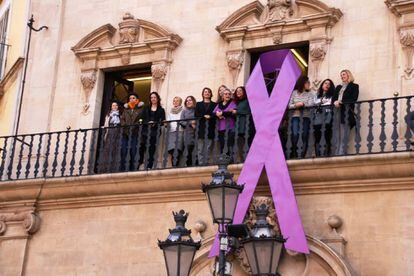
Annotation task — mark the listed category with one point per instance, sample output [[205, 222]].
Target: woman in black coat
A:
[[206, 125], [345, 96], [152, 116]]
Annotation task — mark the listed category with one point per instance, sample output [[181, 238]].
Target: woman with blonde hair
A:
[[175, 135], [345, 96]]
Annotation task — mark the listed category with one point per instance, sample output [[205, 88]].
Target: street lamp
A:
[[263, 247], [179, 248], [222, 195]]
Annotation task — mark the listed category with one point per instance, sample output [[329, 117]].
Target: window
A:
[[4, 19]]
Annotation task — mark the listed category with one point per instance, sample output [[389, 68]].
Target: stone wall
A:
[[109, 224], [365, 40]]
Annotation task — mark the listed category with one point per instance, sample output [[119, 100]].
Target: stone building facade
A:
[[356, 223]]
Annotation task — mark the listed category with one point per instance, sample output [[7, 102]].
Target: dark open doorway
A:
[[299, 50], [119, 84]]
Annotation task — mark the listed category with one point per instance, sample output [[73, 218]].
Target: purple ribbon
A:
[[266, 150]]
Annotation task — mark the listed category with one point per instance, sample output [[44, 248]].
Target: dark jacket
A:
[[158, 116], [243, 115], [200, 111], [349, 97], [131, 117]]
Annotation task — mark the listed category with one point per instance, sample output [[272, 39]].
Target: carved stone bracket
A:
[[158, 71], [29, 221], [317, 52], [88, 80], [407, 43], [235, 61], [404, 10]]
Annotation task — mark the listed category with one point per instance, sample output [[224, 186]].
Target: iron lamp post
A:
[[263, 247], [222, 195], [179, 248]]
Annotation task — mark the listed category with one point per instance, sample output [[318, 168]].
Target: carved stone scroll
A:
[[29, 220]]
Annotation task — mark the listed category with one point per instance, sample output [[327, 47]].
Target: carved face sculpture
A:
[[278, 3]]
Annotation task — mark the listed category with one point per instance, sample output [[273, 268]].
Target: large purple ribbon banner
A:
[[266, 150]]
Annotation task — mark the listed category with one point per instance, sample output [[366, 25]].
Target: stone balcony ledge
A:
[[362, 173]]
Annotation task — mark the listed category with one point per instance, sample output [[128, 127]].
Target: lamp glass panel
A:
[[248, 248], [187, 255], [263, 251], [231, 196], [277, 250], [215, 200], [171, 258]]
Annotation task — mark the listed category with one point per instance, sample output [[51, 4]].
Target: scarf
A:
[[176, 110], [133, 105], [222, 106], [341, 91], [114, 117]]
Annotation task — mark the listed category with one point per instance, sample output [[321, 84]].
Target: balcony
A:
[[362, 128]]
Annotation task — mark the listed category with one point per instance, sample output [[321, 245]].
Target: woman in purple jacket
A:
[[226, 118]]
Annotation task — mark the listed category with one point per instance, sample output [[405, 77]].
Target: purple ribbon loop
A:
[[266, 150]]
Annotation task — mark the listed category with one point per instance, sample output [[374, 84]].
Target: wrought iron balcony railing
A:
[[365, 127]]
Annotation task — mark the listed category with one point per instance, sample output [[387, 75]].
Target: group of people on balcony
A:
[[320, 105], [192, 128]]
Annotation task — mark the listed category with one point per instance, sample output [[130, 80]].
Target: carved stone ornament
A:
[[317, 52], [235, 61], [29, 220], [276, 10], [158, 71], [128, 29], [88, 80], [333, 238], [407, 42]]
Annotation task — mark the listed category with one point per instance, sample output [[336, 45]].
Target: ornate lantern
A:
[[222, 193], [263, 248], [179, 248]]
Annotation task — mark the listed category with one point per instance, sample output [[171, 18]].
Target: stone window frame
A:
[[134, 42], [250, 27]]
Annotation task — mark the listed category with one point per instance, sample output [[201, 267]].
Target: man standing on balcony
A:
[[409, 119], [130, 119]]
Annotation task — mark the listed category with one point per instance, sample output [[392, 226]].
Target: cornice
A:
[[351, 174], [400, 7]]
